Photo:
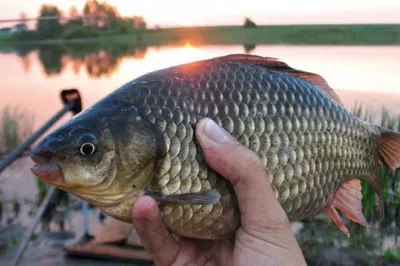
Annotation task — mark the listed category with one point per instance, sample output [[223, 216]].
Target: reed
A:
[[15, 126]]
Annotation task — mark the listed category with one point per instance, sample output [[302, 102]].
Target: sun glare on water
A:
[[158, 58]]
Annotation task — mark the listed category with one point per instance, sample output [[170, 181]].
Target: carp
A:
[[139, 140]]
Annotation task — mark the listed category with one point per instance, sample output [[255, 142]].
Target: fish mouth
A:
[[47, 170]]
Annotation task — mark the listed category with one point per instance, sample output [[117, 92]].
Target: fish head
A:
[[101, 155]]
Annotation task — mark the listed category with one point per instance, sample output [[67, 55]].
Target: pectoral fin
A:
[[193, 198]]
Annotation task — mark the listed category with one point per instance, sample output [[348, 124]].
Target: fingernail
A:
[[215, 132]]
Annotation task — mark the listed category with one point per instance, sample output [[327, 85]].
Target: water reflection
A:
[[248, 48], [36, 74], [97, 60], [51, 60]]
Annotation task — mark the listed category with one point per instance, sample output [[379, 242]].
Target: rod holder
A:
[[72, 102]]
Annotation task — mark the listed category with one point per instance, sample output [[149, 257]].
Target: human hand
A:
[[265, 236]]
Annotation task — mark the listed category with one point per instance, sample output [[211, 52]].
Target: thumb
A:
[[260, 210]]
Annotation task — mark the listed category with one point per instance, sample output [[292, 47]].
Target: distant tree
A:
[[50, 28], [81, 32], [111, 14], [74, 18], [248, 23], [19, 28], [138, 22], [88, 12], [73, 12], [100, 14], [21, 25], [22, 18]]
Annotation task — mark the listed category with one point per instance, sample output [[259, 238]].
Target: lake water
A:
[[33, 78]]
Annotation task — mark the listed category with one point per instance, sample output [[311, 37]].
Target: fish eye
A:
[[87, 148]]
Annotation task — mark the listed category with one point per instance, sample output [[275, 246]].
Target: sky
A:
[[225, 12]]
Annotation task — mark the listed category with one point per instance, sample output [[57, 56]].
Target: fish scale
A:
[[288, 122], [312, 149]]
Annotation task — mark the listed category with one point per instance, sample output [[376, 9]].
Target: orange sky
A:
[[218, 12]]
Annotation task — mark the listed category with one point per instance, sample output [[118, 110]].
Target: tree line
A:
[[95, 19]]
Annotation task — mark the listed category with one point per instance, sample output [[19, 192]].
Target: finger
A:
[[262, 215], [244, 170], [155, 238]]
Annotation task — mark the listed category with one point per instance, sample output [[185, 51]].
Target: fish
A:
[[140, 140]]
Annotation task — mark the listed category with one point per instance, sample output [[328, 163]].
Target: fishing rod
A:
[[28, 234]]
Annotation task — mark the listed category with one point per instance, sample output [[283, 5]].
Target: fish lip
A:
[[37, 159], [48, 171]]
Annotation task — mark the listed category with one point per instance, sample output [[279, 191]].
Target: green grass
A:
[[296, 34], [392, 255], [13, 241], [5, 37], [368, 34]]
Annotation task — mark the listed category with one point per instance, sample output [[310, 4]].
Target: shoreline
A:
[[296, 34]]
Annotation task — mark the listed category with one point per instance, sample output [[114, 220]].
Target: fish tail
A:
[[348, 198], [389, 148], [389, 156]]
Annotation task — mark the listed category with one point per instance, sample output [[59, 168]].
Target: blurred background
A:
[[97, 46]]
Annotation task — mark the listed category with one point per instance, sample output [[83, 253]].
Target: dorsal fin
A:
[[276, 64], [268, 62], [319, 82]]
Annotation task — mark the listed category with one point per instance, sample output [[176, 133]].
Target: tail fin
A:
[[388, 155], [389, 149], [348, 197]]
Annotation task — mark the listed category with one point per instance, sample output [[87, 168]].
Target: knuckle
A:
[[231, 150], [254, 161]]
